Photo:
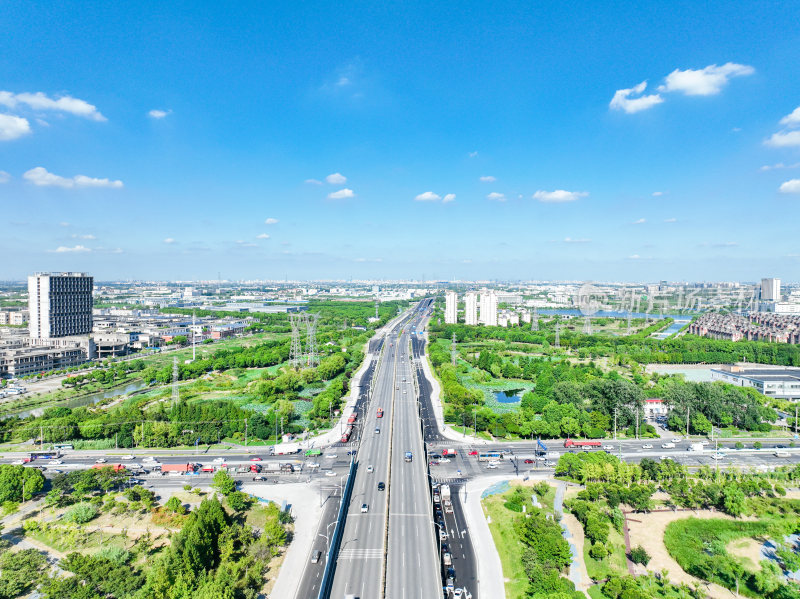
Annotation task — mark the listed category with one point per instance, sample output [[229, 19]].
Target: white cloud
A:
[[559, 196], [658, 193], [39, 176], [341, 194], [246, 244], [77, 249], [271, 221], [87, 236], [368, 260], [63, 224], [623, 101], [169, 241], [571, 240], [670, 220], [336, 179], [313, 181], [40, 101], [792, 119], [496, 197], [790, 186], [634, 257], [4, 177], [704, 82], [473, 154], [641, 221], [487, 179], [450, 197], [780, 165], [158, 114], [784, 139], [263, 236], [13, 127], [427, 196]]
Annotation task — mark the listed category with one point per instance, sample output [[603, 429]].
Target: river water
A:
[[83, 400]]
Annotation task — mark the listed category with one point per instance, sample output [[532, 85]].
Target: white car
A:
[[677, 440], [56, 462], [218, 460], [100, 461], [330, 473], [151, 460], [608, 447], [491, 466], [370, 468], [445, 461], [364, 508], [330, 456], [313, 465], [647, 446], [458, 594], [126, 457]]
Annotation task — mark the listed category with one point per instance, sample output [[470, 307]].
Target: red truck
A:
[[353, 418], [586, 444], [449, 452], [255, 468], [177, 468]]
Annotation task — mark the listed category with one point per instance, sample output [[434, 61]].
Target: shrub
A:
[[739, 445], [81, 513], [541, 488], [598, 551], [187, 487], [757, 445], [780, 490], [640, 556], [114, 554]]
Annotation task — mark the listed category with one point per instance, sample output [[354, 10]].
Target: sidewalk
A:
[[304, 504], [438, 410], [491, 582]]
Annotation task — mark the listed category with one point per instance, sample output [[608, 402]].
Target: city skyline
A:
[[513, 143]]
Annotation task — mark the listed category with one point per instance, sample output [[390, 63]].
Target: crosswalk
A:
[[359, 554]]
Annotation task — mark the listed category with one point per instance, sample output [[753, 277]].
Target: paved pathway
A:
[[577, 569]]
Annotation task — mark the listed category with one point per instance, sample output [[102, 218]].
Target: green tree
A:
[[224, 483], [640, 556], [733, 500]]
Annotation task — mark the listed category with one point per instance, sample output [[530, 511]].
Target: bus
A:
[[63, 447], [45, 455], [313, 452], [490, 456]]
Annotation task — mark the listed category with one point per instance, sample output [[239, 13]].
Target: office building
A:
[[773, 381], [770, 290], [59, 304], [451, 307], [471, 308], [489, 308]]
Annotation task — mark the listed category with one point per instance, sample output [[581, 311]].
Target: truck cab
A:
[[408, 456]]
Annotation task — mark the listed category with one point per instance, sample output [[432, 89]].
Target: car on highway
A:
[[647, 446], [528, 461], [608, 447], [55, 470], [381, 486], [377, 430], [315, 556], [259, 477], [473, 452], [677, 440], [370, 468], [56, 462], [330, 473], [312, 465], [445, 461], [330, 456], [219, 460], [436, 456], [491, 466], [126, 457], [100, 461], [364, 508], [433, 463], [17, 463], [442, 534], [458, 593], [255, 459]]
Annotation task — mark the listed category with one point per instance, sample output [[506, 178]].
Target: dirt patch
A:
[[748, 551], [647, 530]]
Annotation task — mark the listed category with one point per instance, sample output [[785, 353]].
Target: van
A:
[[315, 556]]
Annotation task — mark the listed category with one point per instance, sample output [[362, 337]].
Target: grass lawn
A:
[[508, 545], [596, 593], [66, 540], [614, 563]]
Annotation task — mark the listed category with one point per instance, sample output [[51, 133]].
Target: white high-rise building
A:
[[770, 290], [489, 308], [451, 307], [60, 304], [471, 308]]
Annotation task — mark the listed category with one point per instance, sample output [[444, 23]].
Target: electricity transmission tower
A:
[[174, 382], [453, 352], [294, 349], [312, 356]]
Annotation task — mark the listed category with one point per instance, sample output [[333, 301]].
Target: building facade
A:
[[489, 308], [60, 304], [773, 381], [770, 290], [471, 308], [451, 307]]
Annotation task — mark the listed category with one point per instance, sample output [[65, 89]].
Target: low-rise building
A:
[[773, 381]]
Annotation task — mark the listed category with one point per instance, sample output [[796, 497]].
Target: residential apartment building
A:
[[489, 308], [60, 304], [451, 307], [471, 308]]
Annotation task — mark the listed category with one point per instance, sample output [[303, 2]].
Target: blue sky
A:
[[316, 140]]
